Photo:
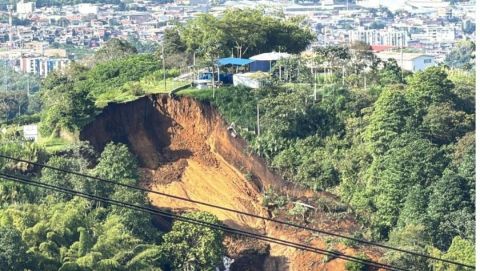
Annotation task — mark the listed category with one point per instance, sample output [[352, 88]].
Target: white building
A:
[[389, 37], [436, 34], [409, 61], [41, 65], [25, 8], [30, 132], [86, 9], [441, 34]]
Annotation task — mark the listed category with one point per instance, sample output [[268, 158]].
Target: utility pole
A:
[[315, 85], [280, 72], [401, 59], [258, 119], [364, 81], [10, 23], [28, 90], [5, 80], [194, 69], [298, 71], [213, 80], [164, 73]]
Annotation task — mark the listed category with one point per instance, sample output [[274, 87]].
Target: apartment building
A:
[[389, 36], [42, 65]]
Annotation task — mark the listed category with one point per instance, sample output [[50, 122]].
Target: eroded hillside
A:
[[185, 150]]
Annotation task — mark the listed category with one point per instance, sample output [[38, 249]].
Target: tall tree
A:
[[194, 247], [462, 55], [443, 124], [66, 107], [114, 49], [410, 161], [244, 31], [460, 250], [390, 118], [428, 87], [13, 251]]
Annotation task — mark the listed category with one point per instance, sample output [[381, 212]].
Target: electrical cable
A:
[[194, 221], [241, 212]]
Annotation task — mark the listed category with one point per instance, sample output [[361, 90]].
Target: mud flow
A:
[[185, 149]]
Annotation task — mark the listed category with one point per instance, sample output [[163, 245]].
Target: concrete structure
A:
[[86, 9], [379, 37], [409, 61], [436, 35], [250, 79], [41, 65], [55, 53], [30, 132], [264, 62], [25, 8], [440, 34], [433, 26]]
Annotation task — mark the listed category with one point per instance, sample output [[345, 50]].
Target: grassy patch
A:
[[133, 90], [200, 94], [54, 144]]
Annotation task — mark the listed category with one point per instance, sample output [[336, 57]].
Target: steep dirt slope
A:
[[184, 149]]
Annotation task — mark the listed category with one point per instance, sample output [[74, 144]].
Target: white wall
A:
[[421, 63], [25, 8]]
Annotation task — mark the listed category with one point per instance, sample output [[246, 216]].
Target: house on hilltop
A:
[[409, 61]]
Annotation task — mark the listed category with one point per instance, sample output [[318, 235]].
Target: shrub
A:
[[356, 266]]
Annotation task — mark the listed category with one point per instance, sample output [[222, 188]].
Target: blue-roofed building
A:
[[233, 61]]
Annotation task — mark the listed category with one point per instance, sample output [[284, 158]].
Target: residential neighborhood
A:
[[259, 135], [423, 27]]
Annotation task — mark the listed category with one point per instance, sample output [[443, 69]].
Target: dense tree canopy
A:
[[241, 32], [400, 154], [52, 231], [190, 247], [462, 56], [114, 49], [397, 148]]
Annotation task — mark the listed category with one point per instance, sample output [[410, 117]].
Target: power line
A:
[[152, 211], [242, 213]]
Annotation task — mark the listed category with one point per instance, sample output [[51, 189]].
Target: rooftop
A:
[[398, 55]]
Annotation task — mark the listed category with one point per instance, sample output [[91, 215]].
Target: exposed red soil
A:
[[185, 150]]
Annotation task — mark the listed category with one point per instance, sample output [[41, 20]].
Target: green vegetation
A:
[[114, 49], [246, 31], [399, 153], [462, 56], [71, 99], [53, 143], [355, 266], [47, 230], [397, 148], [18, 93], [460, 250], [190, 247]]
